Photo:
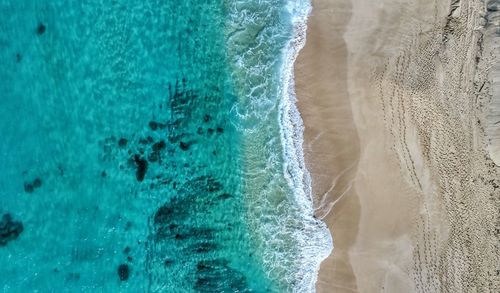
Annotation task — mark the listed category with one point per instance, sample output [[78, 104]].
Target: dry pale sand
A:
[[397, 99]]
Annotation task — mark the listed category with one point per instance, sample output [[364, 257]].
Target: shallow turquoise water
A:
[[146, 134]]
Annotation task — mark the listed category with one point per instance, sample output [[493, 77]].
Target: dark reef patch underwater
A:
[[141, 149]]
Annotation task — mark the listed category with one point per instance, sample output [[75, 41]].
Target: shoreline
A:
[[316, 241], [321, 68]]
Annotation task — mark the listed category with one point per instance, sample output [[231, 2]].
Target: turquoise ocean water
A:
[[153, 146]]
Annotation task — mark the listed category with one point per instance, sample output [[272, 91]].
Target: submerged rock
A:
[[9, 229]]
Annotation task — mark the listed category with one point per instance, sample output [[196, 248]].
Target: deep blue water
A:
[[141, 148]]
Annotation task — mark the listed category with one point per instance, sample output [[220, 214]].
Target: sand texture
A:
[[401, 107], [490, 56]]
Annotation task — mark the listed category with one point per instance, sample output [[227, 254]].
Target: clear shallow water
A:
[[147, 134]]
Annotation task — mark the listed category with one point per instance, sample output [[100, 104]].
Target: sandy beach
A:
[[395, 98]]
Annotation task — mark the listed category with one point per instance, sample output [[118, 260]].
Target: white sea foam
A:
[[280, 212], [315, 241]]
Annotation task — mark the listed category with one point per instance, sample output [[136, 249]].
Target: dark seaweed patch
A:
[[28, 187], [73, 277], [169, 219], [183, 233], [9, 229], [224, 196], [40, 30], [122, 142], [213, 186], [204, 184], [202, 267], [217, 276], [204, 247], [174, 235], [37, 183], [123, 272], [208, 265], [158, 146], [153, 125], [180, 236], [184, 146], [61, 170], [142, 167], [181, 99], [163, 215]]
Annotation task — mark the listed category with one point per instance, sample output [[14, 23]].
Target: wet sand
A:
[[401, 172]]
